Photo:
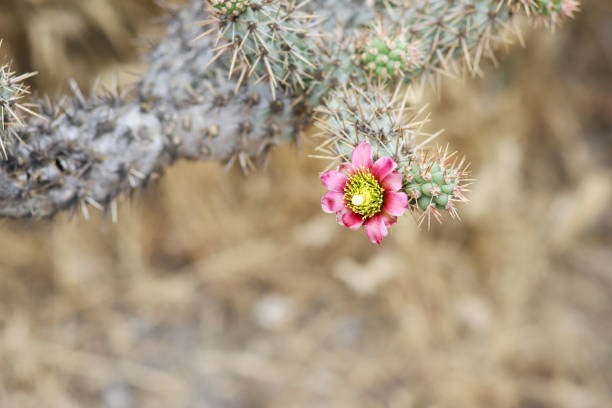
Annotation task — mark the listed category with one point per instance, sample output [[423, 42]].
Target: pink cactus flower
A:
[[367, 193]]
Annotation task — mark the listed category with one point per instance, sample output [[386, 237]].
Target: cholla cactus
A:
[[233, 78]]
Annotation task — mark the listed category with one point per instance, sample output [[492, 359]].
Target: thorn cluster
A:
[[12, 107], [552, 12], [274, 41], [385, 120]]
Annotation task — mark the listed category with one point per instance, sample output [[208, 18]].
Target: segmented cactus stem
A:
[[251, 79], [274, 40]]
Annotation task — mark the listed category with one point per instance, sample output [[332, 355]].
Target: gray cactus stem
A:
[[90, 150]]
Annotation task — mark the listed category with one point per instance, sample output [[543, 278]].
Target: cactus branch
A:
[[88, 151]]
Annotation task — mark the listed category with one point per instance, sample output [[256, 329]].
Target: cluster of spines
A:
[[273, 40], [551, 12], [12, 106], [385, 120], [455, 36]]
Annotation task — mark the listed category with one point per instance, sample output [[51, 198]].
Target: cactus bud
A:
[[435, 182], [388, 57]]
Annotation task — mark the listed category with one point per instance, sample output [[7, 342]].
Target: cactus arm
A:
[[456, 35], [419, 40], [83, 152]]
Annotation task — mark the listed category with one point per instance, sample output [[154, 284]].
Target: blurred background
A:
[[220, 290]]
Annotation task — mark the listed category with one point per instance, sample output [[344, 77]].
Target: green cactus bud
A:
[[435, 183], [388, 57]]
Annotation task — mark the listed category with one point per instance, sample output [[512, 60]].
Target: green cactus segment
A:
[[465, 31], [446, 32], [336, 67], [356, 115], [390, 59], [431, 186], [551, 10], [12, 108], [231, 8], [363, 194], [272, 40], [7, 92], [6, 96]]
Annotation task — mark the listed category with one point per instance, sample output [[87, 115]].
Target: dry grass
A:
[[216, 290]]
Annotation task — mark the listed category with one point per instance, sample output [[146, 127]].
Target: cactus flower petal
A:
[[332, 202], [395, 203], [362, 156], [351, 220], [333, 180], [376, 228], [383, 167], [389, 220], [345, 168], [392, 182]]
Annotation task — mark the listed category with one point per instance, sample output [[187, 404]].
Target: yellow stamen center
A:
[[357, 200], [363, 194]]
